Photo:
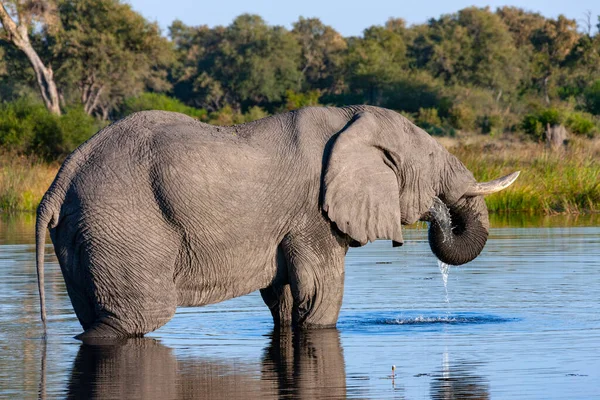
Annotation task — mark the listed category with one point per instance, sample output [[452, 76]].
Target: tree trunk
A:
[[18, 35]]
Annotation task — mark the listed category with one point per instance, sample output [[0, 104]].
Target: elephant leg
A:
[[279, 300], [278, 296], [316, 271], [132, 288]]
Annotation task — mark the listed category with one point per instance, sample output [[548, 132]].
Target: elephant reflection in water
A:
[[306, 365]]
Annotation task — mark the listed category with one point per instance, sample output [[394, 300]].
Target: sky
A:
[[349, 17]]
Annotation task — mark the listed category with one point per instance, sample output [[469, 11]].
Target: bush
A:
[[296, 100], [412, 92], [534, 124], [26, 127], [592, 98], [462, 116], [581, 124], [429, 120], [428, 117], [228, 116], [158, 101], [490, 124]]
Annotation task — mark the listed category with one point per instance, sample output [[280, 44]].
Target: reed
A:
[[23, 182]]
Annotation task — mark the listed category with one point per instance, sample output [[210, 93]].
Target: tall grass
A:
[[566, 181], [23, 182]]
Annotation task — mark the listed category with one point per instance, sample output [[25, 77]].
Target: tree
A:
[[376, 60], [322, 54], [246, 63], [472, 48], [28, 14], [553, 43], [107, 52]]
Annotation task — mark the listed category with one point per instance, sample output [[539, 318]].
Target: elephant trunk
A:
[[458, 233]]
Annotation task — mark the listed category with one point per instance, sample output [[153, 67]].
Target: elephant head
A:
[[381, 172]]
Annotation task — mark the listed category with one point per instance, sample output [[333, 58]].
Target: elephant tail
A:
[[45, 214]]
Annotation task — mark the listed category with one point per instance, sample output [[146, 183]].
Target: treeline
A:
[[476, 70]]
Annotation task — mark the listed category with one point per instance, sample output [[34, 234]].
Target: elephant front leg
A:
[[316, 274]]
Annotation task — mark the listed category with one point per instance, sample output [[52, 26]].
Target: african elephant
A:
[[159, 210]]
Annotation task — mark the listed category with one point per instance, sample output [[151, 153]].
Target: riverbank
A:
[[551, 182]]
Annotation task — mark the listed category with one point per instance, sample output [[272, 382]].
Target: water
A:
[[523, 322], [444, 270]]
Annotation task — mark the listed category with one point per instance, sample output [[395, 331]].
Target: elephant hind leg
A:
[[120, 324], [130, 304]]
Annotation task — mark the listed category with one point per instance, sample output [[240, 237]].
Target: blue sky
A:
[[349, 17]]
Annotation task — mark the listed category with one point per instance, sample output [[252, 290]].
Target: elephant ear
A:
[[359, 185]]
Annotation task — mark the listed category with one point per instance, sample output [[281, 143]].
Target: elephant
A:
[[159, 210]]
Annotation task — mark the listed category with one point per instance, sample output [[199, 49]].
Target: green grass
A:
[[550, 182]]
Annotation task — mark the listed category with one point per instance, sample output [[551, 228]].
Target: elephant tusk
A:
[[483, 188]]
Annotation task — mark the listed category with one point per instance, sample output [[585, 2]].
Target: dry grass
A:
[[23, 182]]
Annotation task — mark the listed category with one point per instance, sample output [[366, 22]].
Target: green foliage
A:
[[429, 120], [579, 123], [490, 124], [478, 69], [247, 63], [228, 116], [428, 116], [106, 51], [322, 55], [27, 127], [582, 124], [592, 98], [159, 101], [462, 117], [296, 100], [534, 124]]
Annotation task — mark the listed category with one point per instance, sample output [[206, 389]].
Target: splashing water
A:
[[441, 214], [445, 269]]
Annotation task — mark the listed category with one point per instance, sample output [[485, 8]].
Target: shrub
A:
[[158, 101], [592, 98], [462, 116], [255, 113], [428, 117], [429, 120], [490, 123], [581, 124], [296, 100], [414, 91], [26, 127], [534, 124]]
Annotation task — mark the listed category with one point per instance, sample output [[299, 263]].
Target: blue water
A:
[[521, 321]]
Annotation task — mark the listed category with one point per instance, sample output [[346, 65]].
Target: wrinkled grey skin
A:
[[159, 210]]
